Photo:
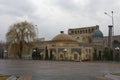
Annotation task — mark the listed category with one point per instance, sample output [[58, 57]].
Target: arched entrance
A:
[[61, 56], [41, 56], [76, 56]]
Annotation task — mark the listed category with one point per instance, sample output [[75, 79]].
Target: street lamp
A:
[[34, 50], [118, 55], [111, 16], [65, 50], [36, 31], [34, 54], [36, 34], [5, 54]]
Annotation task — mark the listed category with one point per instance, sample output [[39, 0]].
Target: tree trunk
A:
[[21, 50]]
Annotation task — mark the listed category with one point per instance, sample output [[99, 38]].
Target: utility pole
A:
[[37, 35], [112, 20]]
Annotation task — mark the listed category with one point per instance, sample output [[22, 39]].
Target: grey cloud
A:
[[92, 13], [65, 5], [56, 15], [16, 7], [88, 10]]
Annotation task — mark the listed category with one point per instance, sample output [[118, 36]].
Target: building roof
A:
[[89, 27], [63, 37], [97, 34]]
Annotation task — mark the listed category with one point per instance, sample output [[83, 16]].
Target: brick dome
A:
[[63, 37]]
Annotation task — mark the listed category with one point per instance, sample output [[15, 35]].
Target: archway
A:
[[61, 56], [76, 56]]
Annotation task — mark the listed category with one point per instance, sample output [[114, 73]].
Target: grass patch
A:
[[4, 77], [116, 74]]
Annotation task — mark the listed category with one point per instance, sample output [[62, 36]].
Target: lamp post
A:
[[111, 32], [37, 34], [65, 50], [34, 54], [117, 53], [111, 16], [5, 54]]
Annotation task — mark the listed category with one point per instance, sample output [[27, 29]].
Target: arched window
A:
[[72, 32], [86, 31], [89, 31], [81, 31], [75, 32], [89, 50]]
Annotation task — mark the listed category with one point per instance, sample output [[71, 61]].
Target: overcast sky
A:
[[52, 16]]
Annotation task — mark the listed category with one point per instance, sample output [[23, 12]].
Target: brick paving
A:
[[25, 77], [103, 78], [58, 70]]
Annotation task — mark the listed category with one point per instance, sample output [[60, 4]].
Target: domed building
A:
[[60, 47], [97, 34], [90, 36], [65, 47], [97, 37], [98, 45], [80, 44], [63, 37]]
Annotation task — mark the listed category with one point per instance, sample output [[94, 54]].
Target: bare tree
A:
[[20, 38]]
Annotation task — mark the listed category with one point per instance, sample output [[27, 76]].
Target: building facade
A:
[[65, 47], [90, 36], [80, 44], [83, 35]]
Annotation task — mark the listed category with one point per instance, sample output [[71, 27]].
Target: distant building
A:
[[83, 35], [65, 47], [2, 49], [115, 41], [80, 44], [91, 36]]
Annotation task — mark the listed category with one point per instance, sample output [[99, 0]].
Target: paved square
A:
[[58, 70]]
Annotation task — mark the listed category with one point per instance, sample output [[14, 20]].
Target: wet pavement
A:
[[58, 70]]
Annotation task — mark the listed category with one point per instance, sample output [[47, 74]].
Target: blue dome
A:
[[97, 34]]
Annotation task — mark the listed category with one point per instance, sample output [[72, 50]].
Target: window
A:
[[86, 50], [78, 32], [53, 45], [75, 32], [72, 32], [93, 29], [77, 38], [61, 56], [89, 50], [86, 31], [89, 30], [81, 32]]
